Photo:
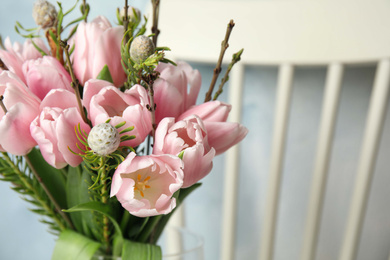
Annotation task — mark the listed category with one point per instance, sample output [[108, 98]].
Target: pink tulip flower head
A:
[[190, 137], [98, 44], [212, 111], [54, 129], [15, 55], [104, 101], [176, 90], [144, 185], [22, 107], [221, 134], [45, 74]]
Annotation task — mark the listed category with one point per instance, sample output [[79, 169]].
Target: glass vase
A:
[[180, 244], [176, 244]]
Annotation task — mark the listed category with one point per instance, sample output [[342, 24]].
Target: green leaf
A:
[[181, 154], [149, 228], [72, 196], [102, 208], [52, 177], [72, 8], [39, 49], [77, 193], [117, 245], [140, 251], [60, 18], [73, 246], [105, 74]]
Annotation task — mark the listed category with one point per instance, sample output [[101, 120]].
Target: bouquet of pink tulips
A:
[[101, 133]]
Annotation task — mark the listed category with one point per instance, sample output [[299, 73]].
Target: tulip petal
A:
[[223, 135]]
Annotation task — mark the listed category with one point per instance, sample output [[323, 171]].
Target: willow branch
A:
[[236, 58], [126, 22], [2, 104], [152, 108], [75, 83], [217, 70], [156, 11]]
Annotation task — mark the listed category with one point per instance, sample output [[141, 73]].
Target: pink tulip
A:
[[214, 111], [98, 44], [15, 55], [54, 128], [45, 74], [223, 135], [171, 93], [188, 136], [91, 88], [22, 107], [144, 185], [109, 102]]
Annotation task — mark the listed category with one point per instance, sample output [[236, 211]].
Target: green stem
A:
[[36, 195], [147, 232], [104, 198], [85, 8]]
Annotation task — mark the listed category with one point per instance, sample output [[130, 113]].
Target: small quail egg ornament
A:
[[141, 48], [104, 139]]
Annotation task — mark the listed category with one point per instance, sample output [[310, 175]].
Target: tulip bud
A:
[[104, 139], [44, 14], [130, 14], [141, 48]]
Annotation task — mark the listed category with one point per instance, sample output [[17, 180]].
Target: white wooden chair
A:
[[291, 35]]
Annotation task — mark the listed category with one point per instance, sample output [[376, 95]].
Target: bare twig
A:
[[75, 82], [156, 11], [2, 104], [149, 80], [152, 108], [217, 70], [126, 21], [236, 58], [3, 66]]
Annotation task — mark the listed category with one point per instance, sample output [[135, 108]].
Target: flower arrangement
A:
[[101, 133]]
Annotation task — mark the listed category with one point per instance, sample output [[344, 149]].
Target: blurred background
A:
[[22, 236]]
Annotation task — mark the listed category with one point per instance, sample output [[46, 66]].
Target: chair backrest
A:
[[291, 35]]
